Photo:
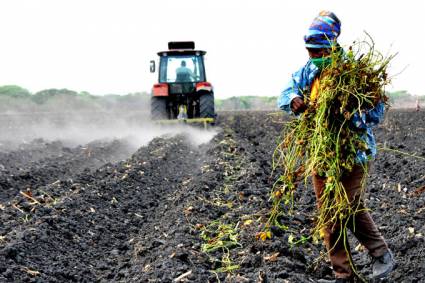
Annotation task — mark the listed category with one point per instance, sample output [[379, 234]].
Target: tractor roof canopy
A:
[[173, 45], [181, 52], [181, 48]]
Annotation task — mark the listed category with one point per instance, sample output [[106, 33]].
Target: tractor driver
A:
[[184, 74]]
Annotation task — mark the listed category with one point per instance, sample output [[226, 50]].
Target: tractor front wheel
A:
[[159, 108], [206, 106]]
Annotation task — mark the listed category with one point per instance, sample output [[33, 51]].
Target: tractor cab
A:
[[182, 91], [178, 68]]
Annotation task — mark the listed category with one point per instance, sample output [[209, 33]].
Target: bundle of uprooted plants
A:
[[323, 141]]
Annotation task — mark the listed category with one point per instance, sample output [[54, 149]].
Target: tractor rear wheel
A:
[[159, 108], [206, 106]]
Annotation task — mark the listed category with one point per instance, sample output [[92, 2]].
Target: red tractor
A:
[[182, 91]]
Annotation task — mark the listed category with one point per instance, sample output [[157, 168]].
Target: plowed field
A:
[[106, 211]]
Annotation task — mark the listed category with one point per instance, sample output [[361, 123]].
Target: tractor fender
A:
[[204, 87], [160, 89]]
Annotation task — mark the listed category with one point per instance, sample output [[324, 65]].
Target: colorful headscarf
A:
[[324, 31]]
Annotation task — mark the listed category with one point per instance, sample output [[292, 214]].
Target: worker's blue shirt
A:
[[300, 85]]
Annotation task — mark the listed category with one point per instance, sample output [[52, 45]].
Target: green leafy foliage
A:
[[14, 91], [220, 237], [45, 95], [16, 98]]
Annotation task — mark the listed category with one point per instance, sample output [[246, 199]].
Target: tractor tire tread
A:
[[158, 108], [206, 107]]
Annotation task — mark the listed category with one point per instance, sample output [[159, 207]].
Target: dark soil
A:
[[94, 213]]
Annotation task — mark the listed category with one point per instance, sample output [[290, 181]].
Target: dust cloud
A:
[[406, 103], [78, 124]]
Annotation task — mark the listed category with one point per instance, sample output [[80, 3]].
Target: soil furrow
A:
[[159, 214]]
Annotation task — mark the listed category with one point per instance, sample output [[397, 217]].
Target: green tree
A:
[[14, 91], [44, 95]]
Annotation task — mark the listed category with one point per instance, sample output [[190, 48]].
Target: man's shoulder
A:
[[309, 68], [307, 72]]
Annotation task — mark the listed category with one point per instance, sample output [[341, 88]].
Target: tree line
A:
[[16, 97]]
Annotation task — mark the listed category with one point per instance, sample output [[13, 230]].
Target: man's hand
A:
[[298, 105]]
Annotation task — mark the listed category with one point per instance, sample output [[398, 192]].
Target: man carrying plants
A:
[[338, 97]]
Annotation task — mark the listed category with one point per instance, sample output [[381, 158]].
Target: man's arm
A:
[[192, 75], [369, 118], [291, 100]]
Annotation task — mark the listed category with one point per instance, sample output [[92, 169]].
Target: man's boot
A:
[[383, 265]]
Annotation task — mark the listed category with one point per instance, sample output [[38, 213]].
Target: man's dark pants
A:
[[361, 224]]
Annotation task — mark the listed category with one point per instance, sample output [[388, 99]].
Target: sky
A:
[[253, 47]]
